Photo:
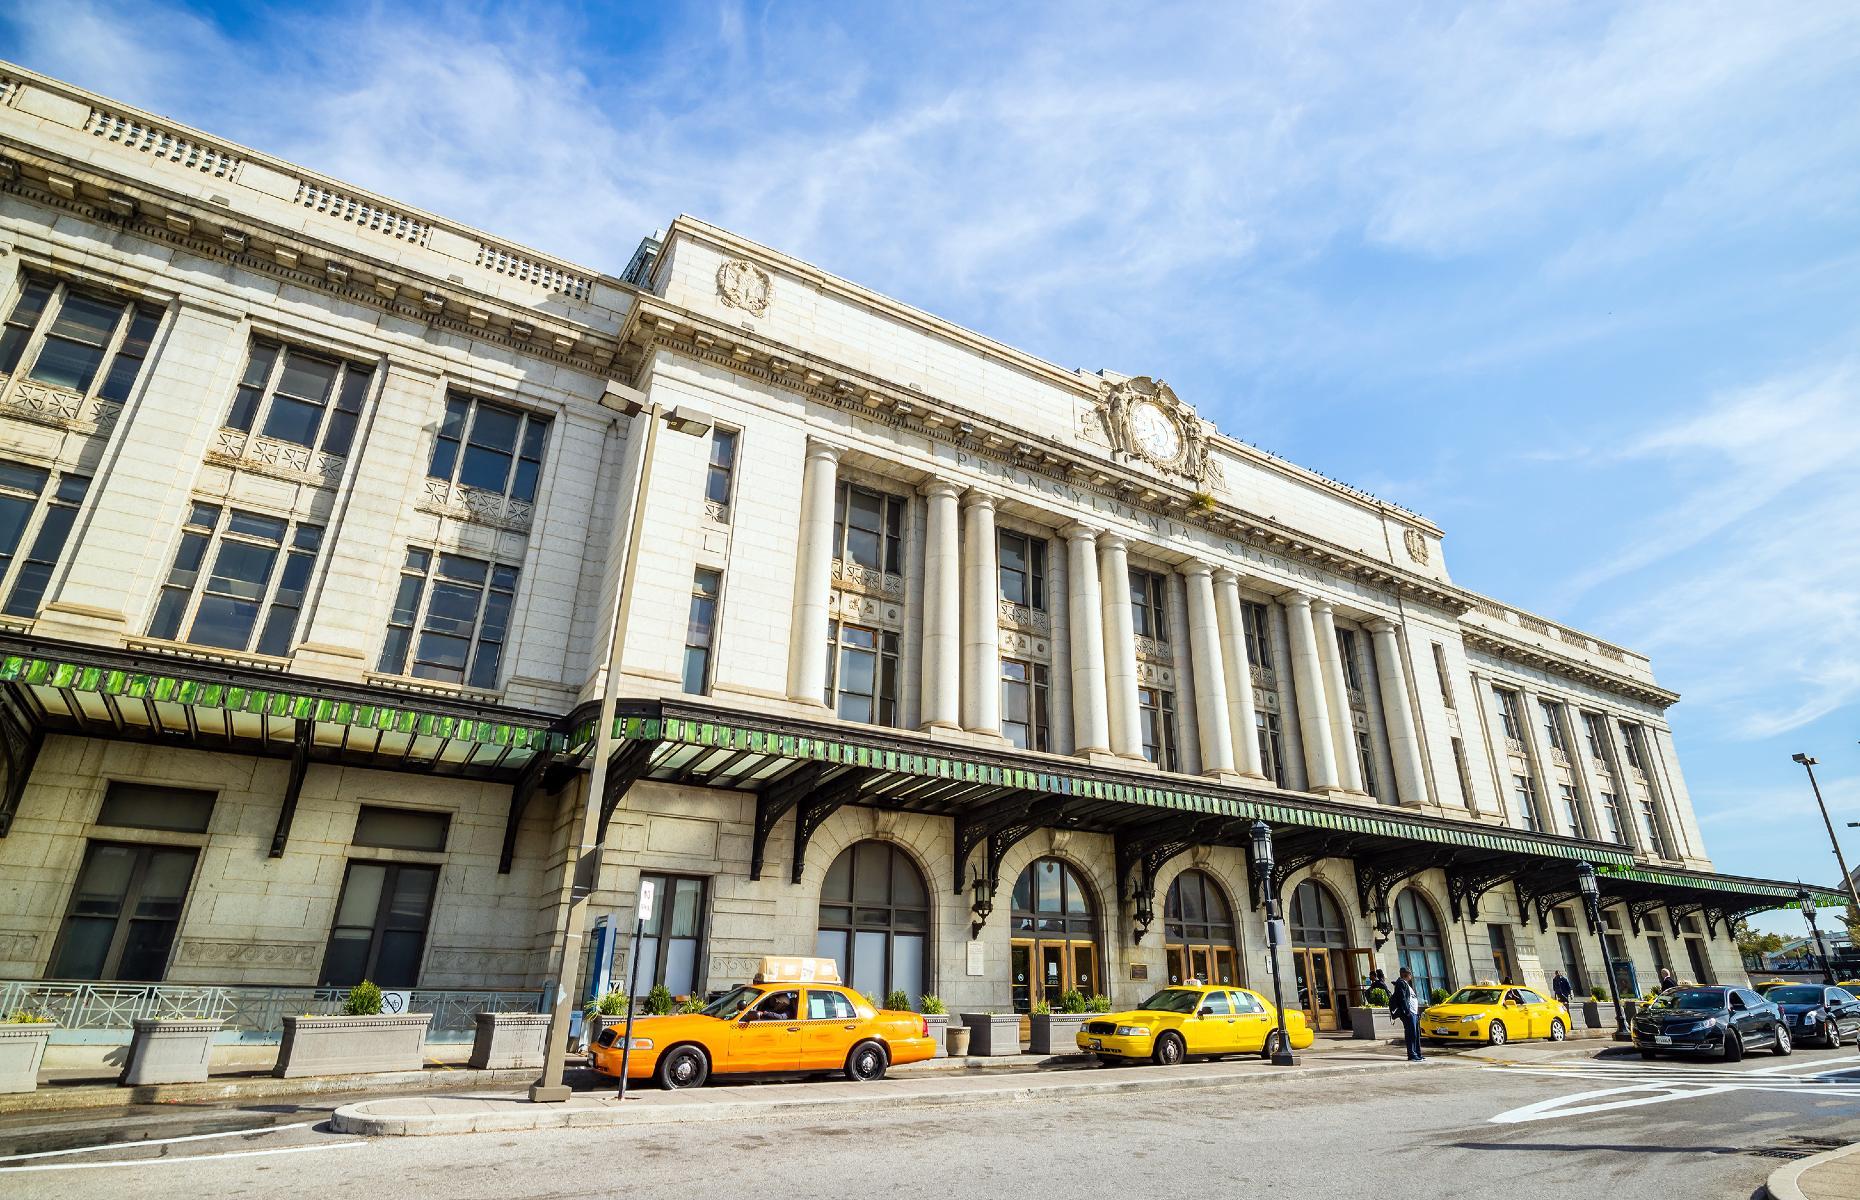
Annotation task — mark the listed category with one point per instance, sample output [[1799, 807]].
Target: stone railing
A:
[[270, 456], [1548, 629], [162, 144], [1151, 650], [449, 499], [1514, 745], [1026, 619], [61, 407], [865, 579]]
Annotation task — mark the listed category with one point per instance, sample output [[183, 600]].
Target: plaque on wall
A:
[[1139, 971], [975, 958]]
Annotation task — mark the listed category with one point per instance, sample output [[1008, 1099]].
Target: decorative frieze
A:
[[865, 610], [1151, 674], [1018, 644], [269, 456], [230, 953], [476, 505], [860, 578], [1514, 746], [1153, 651], [742, 284], [59, 407], [717, 512], [18, 946], [1026, 619]]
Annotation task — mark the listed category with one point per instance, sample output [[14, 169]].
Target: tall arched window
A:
[[1198, 931], [1317, 920], [1321, 963], [1055, 936], [875, 921], [1418, 942]]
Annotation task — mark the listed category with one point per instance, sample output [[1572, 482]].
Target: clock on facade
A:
[[1155, 432]]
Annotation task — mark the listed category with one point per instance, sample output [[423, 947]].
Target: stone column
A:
[[981, 616], [1308, 680], [1337, 695], [813, 576], [1120, 648], [1242, 717], [1090, 727], [1404, 744], [942, 663], [1583, 768], [1204, 646], [1550, 814]]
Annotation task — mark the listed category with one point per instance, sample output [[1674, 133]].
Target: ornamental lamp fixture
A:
[[1385, 925], [1585, 879], [981, 904], [1262, 846], [1144, 910]]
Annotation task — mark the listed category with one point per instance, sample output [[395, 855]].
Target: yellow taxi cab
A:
[[1493, 1014], [793, 1016], [1191, 1020]]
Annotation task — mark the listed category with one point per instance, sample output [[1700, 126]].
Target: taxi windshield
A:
[[1172, 1000], [1706, 999], [730, 1005], [1477, 996]]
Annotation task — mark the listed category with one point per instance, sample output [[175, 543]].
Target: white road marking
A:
[[1653, 1085], [197, 1158], [192, 1137]]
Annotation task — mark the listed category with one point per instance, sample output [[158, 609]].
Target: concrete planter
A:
[[352, 1045], [1374, 1025], [992, 1035], [1056, 1033], [504, 1040], [1598, 1014], [939, 1029], [957, 1038], [22, 1049], [169, 1051]]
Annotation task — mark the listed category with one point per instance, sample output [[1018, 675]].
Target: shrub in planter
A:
[[1073, 1001], [1040, 1009], [360, 1041], [936, 1020], [898, 1000], [1098, 1004], [694, 1003], [1371, 1021], [1599, 994], [1376, 997], [933, 1006], [1439, 996], [1052, 1032], [599, 1012], [363, 1000], [659, 1002], [22, 1048]]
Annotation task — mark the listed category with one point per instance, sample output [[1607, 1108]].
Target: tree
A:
[[1851, 919], [1753, 945]]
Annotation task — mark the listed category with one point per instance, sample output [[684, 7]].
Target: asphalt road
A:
[[1574, 1126]]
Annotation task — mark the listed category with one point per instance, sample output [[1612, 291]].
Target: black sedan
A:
[[1710, 1020], [1816, 1013]]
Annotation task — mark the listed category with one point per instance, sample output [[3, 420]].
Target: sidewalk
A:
[[477, 1112], [1833, 1175]]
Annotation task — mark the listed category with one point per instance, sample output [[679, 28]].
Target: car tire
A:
[[1557, 1032], [1496, 1035], [1169, 1050], [1834, 1034], [682, 1067], [1785, 1045], [866, 1063], [1271, 1046], [1733, 1048]]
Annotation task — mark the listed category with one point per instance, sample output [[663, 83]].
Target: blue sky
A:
[[1577, 282]]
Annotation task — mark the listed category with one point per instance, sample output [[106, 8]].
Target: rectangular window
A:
[[453, 614], [401, 828], [305, 399], [1148, 605], [862, 674], [1024, 718], [701, 630], [489, 447], [1553, 725], [1271, 746], [1526, 793], [1346, 654], [1441, 675], [1597, 733], [39, 518], [85, 343], [671, 943], [1650, 839], [1572, 811], [261, 568], [1611, 819], [1156, 711], [869, 528], [1023, 569], [1630, 747], [1258, 624], [123, 913], [1510, 717], [379, 932], [1461, 770], [146, 806], [1366, 760], [720, 479]]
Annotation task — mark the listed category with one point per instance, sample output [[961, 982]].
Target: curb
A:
[[353, 1119], [75, 1097], [1785, 1182]]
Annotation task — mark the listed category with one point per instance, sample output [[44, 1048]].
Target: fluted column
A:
[[1242, 718], [813, 576], [1337, 697], [1404, 743], [942, 671], [1120, 648], [981, 616], [1308, 683], [1204, 648], [1084, 601]]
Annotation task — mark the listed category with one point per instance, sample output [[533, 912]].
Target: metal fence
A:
[[256, 1011]]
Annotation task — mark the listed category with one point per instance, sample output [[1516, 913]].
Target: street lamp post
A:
[[1809, 764], [1592, 900], [584, 866], [1808, 911], [1282, 1055]]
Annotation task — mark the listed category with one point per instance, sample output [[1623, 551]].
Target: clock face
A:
[[1155, 433]]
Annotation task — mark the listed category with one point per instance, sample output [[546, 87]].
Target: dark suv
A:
[[1817, 1013], [1710, 1020]]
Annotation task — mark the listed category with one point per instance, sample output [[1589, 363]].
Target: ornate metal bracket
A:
[[813, 810], [1467, 886], [773, 803], [975, 824], [528, 780], [1640, 910], [293, 787], [626, 767], [20, 742], [1141, 857]]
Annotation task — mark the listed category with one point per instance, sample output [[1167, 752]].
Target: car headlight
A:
[[1469, 1020], [640, 1043], [1809, 1018], [1132, 1031]]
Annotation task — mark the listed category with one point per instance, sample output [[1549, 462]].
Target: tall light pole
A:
[[586, 863], [1592, 900], [1282, 1055], [1809, 764]]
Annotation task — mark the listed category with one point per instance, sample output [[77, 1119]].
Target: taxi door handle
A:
[[851, 1027], [794, 1029]]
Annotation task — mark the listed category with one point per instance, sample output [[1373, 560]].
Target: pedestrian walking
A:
[[1562, 988], [1667, 982], [1406, 1008]]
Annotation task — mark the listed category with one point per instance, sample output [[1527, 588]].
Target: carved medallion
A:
[[742, 284], [1416, 544], [1143, 419]]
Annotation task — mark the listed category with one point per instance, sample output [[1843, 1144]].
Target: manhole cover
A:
[[1778, 1152]]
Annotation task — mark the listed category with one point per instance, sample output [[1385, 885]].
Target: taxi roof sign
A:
[[781, 968]]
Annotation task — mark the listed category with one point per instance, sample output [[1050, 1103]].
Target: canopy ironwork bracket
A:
[[1378, 875], [1467, 886], [300, 766], [812, 811], [1141, 858], [974, 825], [1006, 837], [20, 742], [535, 774], [1640, 910], [1289, 865], [773, 803], [625, 768]]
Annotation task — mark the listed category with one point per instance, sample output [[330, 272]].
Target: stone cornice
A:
[[1556, 664]]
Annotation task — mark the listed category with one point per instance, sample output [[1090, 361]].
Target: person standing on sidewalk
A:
[[1406, 1007], [1562, 988]]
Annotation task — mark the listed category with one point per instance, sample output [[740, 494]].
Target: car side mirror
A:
[[1206, 1010]]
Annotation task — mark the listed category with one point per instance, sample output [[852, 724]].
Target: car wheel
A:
[[1834, 1035], [1556, 1030], [1169, 1050], [866, 1062], [1733, 1047], [1784, 1044], [1496, 1036], [683, 1067], [1272, 1045]]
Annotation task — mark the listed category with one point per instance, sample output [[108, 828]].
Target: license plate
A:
[[1660, 1039], [1443, 1033], [1097, 1044]]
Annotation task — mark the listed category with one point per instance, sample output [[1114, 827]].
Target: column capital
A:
[[1380, 625], [820, 448], [1226, 576], [939, 487], [1078, 532], [975, 497], [1194, 567], [1295, 599], [1321, 605], [1112, 541]]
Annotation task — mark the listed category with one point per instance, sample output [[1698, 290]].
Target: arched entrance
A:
[[1418, 942], [1055, 936], [1199, 935], [875, 921], [1326, 968]]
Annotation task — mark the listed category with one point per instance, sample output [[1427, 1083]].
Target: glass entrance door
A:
[[1043, 970], [1316, 993]]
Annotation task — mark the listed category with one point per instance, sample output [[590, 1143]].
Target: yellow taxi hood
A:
[[1462, 1010], [1132, 1016]]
